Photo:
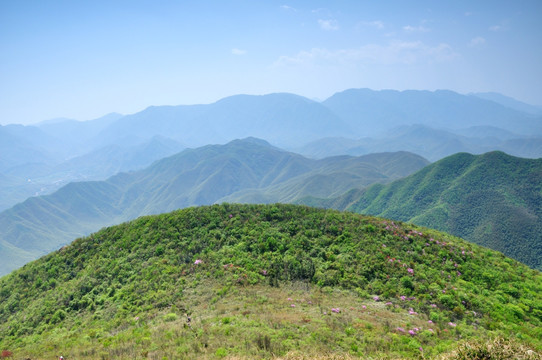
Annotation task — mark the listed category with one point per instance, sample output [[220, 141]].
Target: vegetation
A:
[[267, 281], [494, 200], [200, 176]]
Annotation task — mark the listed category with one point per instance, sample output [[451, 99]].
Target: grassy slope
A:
[[492, 199], [268, 281]]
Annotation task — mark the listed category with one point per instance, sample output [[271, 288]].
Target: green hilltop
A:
[[493, 199], [268, 281]]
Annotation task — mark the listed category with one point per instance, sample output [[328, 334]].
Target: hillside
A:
[[493, 199], [193, 177], [260, 281], [333, 176]]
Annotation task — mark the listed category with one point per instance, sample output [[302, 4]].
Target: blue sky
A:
[[84, 59]]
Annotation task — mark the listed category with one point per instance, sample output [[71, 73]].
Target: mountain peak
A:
[[252, 140]]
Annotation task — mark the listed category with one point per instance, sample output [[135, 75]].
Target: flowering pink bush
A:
[[198, 261]]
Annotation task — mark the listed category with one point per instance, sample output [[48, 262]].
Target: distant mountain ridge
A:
[[373, 112], [192, 177], [431, 143], [48, 174], [510, 102], [285, 120], [494, 200], [278, 118]]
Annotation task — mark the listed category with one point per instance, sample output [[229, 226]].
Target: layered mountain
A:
[[271, 281], [45, 176], [281, 119], [22, 146], [510, 102], [493, 199], [286, 120], [334, 176], [429, 142], [76, 135], [372, 112], [193, 177]]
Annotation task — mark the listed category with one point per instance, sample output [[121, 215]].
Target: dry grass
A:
[[258, 322], [300, 356], [496, 349]]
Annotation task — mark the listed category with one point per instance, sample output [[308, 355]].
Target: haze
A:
[[82, 60]]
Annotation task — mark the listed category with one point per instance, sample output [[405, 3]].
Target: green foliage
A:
[[262, 281], [494, 200]]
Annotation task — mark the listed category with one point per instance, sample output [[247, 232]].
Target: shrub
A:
[[170, 317]]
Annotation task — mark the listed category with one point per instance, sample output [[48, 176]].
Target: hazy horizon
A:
[[82, 60]]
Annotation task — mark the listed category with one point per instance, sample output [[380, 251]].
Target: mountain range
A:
[[243, 170], [431, 143], [431, 124], [492, 199]]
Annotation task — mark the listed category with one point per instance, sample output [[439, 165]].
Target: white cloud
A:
[[376, 24], [409, 28], [477, 41], [396, 52], [328, 25], [287, 7], [236, 51], [495, 28]]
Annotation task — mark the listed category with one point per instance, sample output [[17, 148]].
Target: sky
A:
[[83, 59]]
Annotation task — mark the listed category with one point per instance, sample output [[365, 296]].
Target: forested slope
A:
[[492, 199], [259, 281]]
